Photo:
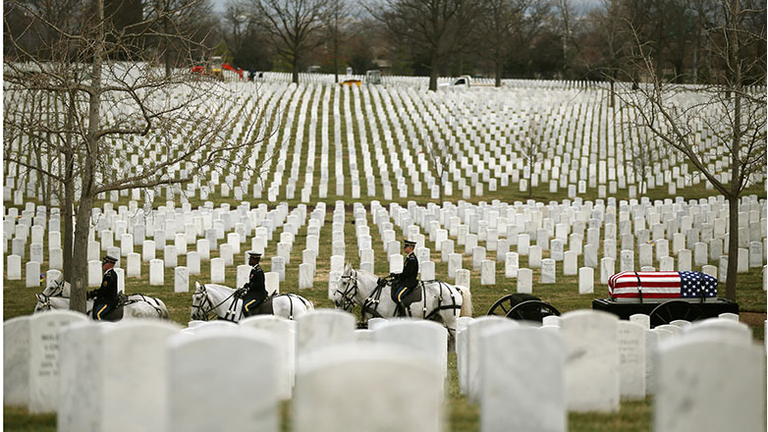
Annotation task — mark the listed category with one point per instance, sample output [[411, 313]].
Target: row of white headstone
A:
[[585, 148], [150, 375], [499, 225], [528, 378], [389, 377]]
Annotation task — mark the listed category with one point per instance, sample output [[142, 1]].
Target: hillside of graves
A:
[[344, 175]]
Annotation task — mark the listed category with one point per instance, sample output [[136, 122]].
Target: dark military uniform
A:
[[106, 296], [255, 291], [407, 280]]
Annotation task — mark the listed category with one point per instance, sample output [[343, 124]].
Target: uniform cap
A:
[[109, 259], [254, 254], [408, 243]]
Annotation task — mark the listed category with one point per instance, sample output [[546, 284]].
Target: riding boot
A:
[[400, 311]]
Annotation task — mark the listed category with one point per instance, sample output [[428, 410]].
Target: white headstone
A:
[[192, 373], [80, 365], [475, 331], [592, 360], [631, 343], [322, 328], [141, 385], [16, 361], [181, 279], [525, 281], [397, 375], [156, 272], [586, 280], [488, 272], [525, 365], [44, 358], [712, 400]]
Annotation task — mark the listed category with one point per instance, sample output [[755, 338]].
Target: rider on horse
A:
[[106, 294], [406, 281], [254, 291]]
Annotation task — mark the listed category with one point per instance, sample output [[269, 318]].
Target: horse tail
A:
[[466, 304]]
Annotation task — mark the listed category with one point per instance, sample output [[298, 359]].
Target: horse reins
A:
[[205, 300], [348, 295]]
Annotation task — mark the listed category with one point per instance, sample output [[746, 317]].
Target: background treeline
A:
[[551, 39]]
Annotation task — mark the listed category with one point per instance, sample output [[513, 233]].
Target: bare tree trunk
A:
[[733, 196], [336, 61], [295, 74], [733, 247], [499, 72], [66, 214], [166, 42], [69, 190], [80, 263], [433, 75], [80, 250], [695, 60]]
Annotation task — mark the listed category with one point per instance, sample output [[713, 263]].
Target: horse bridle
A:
[[45, 301], [207, 300], [348, 295]]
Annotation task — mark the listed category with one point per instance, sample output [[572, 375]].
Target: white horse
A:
[[135, 306], [220, 300], [439, 302]]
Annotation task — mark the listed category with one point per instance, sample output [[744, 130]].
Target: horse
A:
[[211, 300], [134, 306], [440, 302]]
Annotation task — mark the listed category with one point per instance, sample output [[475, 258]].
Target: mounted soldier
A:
[[404, 283], [106, 295], [254, 292]]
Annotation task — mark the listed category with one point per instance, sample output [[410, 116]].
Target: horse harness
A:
[[207, 300], [124, 300], [371, 303], [233, 313]]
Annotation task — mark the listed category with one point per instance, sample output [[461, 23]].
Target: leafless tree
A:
[[505, 25], [732, 111], [435, 29], [293, 27], [337, 21], [646, 155], [532, 145], [99, 112], [439, 154]]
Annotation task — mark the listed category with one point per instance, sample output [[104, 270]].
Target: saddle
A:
[[412, 296], [264, 308], [115, 314]]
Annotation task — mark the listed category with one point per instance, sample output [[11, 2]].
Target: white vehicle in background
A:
[[462, 81], [373, 77]]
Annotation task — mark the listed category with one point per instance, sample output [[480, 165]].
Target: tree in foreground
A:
[[731, 109], [89, 125]]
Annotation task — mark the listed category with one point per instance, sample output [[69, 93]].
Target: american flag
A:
[[686, 284]]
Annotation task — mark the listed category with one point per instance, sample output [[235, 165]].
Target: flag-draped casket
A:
[[662, 285]]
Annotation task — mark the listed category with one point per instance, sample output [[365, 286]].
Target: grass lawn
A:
[[460, 414]]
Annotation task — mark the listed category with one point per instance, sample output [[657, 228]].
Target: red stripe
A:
[[647, 295]]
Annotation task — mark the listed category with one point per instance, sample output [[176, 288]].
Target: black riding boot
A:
[[400, 311]]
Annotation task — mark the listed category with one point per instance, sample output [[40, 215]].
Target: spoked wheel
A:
[[672, 310], [532, 310], [509, 301]]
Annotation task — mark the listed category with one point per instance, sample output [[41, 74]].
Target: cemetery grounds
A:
[[585, 114]]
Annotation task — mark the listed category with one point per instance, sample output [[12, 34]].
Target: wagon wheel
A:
[[532, 310], [674, 310], [509, 301]]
